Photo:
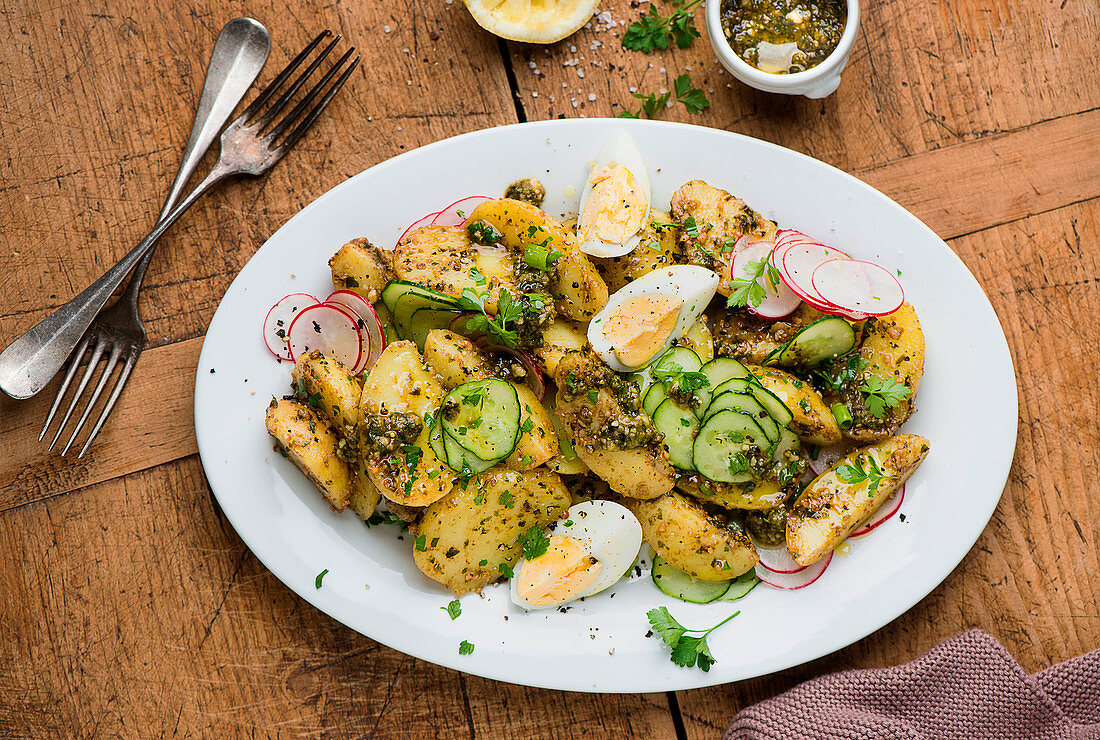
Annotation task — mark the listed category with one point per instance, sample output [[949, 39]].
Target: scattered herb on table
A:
[[693, 98], [654, 31], [687, 650]]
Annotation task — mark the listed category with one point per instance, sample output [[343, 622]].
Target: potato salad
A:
[[541, 401]]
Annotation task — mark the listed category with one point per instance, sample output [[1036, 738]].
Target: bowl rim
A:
[[753, 76]]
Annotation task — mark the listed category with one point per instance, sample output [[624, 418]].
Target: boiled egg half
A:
[[641, 319], [589, 551], [615, 200]]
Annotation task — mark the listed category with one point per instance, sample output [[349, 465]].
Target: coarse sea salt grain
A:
[[385, 29], [591, 96]]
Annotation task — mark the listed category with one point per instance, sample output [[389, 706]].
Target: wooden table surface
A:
[[131, 607]]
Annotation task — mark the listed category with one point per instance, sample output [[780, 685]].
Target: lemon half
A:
[[532, 21]]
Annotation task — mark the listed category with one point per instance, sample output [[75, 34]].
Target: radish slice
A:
[[426, 221], [456, 213], [858, 287], [778, 560], [280, 317], [885, 512], [793, 581], [368, 323], [799, 263], [779, 300], [330, 329]]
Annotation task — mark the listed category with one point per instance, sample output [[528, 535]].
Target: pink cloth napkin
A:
[[967, 687]]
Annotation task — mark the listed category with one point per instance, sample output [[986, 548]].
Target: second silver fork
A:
[[252, 144]]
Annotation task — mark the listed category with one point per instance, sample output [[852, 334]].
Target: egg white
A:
[[693, 285], [619, 149], [605, 529]]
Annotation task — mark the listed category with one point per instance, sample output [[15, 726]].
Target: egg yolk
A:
[[615, 209], [639, 327], [562, 573]]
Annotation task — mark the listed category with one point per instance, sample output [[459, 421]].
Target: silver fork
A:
[[250, 145]]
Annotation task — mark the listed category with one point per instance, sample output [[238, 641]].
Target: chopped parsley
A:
[[655, 32], [685, 382], [465, 647], [593, 394], [505, 570], [320, 577], [496, 326], [477, 277], [453, 609], [837, 378], [855, 473], [687, 650], [751, 291], [507, 500], [535, 542], [421, 542], [385, 517], [483, 233], [302, 394], [539, 257], [882, 393]]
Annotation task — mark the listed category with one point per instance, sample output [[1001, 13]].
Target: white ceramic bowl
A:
[[816, 82]]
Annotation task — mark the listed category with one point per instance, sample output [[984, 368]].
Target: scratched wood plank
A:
[[1032, 579], [135, 610], [976, 198], [922, 76], [98, 103]]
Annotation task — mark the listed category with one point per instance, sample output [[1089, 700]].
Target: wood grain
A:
[[1032, 578], [134, 609], [921, 77], [98, 105]]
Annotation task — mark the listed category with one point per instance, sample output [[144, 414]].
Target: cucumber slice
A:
[[740, 586], [653, 398], [720, 438], [404, 299], [683, 357], [718, 371], [736, 385], [776, 408], [746, 404], [679, 425], [679, 585], [452, 453], [787, 442], [486, 421], [822, 340], [426, 319]]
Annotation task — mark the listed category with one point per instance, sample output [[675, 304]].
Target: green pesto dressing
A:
[[783, 36]]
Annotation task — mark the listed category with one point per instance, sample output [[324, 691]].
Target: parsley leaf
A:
[[421, 542], [650, 105], [837, 377], [465, 647], [882, 393], [855, 473], [454, 609], [507, 312], [505, 570], [653, 31], [685, 381], [751, 290], [693, 98], [385, 517], [535, 542], [687, 650], [320, 577]]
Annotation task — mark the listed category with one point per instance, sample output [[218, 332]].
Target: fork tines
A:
[[301, 114]]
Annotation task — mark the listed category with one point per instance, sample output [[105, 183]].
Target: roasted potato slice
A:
[[699, 339], [362, 268], [764, 495], [560, 337], [365, 496], [305, 439], [582, 289], [830, 508], [441, 258], [463, 539], [338, 393], [659, 247], [693, 541], [893, 351], [641, 472], [813, 422], [711, 221], [399, 388], [456, 361]]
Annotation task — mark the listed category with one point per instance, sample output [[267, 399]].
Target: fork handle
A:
[[31, 361]]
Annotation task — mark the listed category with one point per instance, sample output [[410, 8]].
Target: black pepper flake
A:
[[211, 371], [901, 517]]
